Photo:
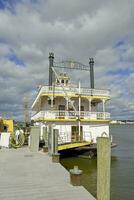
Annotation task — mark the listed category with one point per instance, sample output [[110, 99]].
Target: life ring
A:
[[21, 140]]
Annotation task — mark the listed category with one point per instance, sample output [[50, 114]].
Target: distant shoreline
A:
[[122, 123]]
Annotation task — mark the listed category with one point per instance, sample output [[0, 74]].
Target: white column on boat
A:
[[66, 103], [90, 108], [79, 107], [52, 98], [103, 107]]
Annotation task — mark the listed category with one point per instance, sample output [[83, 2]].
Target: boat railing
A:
[[63, 137], [75, 90], [71, 115], [71, 90]]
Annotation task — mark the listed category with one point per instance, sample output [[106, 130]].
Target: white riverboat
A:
[[73, 109]]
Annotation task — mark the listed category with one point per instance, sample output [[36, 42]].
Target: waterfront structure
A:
[[34, 176], [6, 125], [74, 110]]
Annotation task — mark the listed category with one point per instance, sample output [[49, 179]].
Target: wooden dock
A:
[[33, 176]]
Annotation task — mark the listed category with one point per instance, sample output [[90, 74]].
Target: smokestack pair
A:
[[51, 63]]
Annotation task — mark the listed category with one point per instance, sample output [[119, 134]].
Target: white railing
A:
[[75, 90], [72, 90], [63, 137], [70, 115]]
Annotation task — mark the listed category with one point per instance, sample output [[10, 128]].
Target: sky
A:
[[30, 29]]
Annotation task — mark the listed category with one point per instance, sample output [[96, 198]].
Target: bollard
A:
[[50, 140], [45, 138], [103, 168], [75, 176], [55, 154], [56, 157], [55, 140]]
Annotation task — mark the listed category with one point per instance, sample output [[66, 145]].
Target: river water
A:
[[122, 166]]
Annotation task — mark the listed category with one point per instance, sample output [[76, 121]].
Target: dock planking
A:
[[33, 176]]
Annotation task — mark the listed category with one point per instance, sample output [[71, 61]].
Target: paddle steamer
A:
[[72, 109]]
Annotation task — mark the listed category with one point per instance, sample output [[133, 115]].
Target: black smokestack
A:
[[51, 61], [91, 63]]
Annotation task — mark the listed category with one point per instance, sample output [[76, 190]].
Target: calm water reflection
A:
[[122, 169]]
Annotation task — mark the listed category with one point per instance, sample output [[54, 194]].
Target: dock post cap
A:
[[76, 171], [104, 138], [75, 176]]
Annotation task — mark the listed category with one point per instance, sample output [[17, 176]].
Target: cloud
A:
[[30, 29]]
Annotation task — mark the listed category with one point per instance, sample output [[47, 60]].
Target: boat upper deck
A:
[[72, 91]]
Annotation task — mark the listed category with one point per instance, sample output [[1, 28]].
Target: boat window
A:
[[49, 101]]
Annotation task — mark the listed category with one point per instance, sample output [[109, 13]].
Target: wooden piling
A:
[[103, 168], [34, 138], [45, 136], [50, 140], [55, 136], [55, 154]]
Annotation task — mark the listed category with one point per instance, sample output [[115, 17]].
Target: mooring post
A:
[[103, 168], [50, 140], [45, 137], [75, 176], [55, 135], [55, 154]]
